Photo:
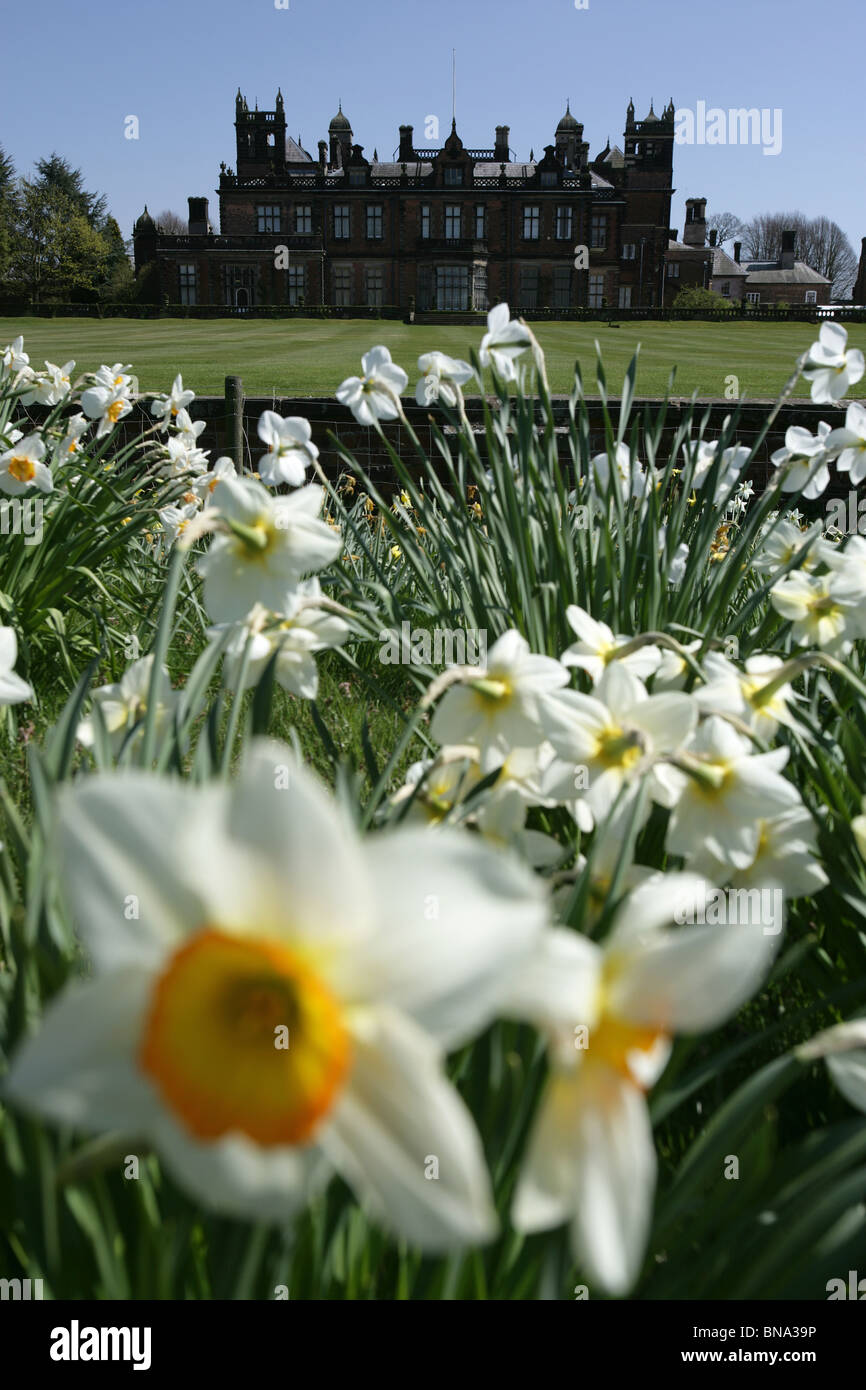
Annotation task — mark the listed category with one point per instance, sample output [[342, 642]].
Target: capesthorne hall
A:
[[446, 229]]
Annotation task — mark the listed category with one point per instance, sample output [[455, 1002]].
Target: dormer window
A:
[[357, 176], [548, 178], [453, 176]]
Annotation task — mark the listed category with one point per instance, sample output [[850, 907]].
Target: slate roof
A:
[[294, 153], [725, 265], [769, 273]]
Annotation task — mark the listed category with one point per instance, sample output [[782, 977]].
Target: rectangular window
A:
[[296, 284], [549, 178], [374, 285], [357, 177], [811, 296], [596, 291], [629, 250], [453, 177], [425, 221], [754, 296], [531, 223], [479, 288], [453, 222], [375, 222], [564, 223], [343, 284], [342, 222], [726, 289], [480, 222], [562, 286], [598, 232], [673, 270], [303, 220], [268, 218], [529, 287], [188, 276], [239, 285], [625, 296], [452, 287]]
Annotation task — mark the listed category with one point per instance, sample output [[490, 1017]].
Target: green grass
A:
[[310, 357]]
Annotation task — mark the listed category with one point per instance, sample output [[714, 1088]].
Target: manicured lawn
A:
[[310, 357]]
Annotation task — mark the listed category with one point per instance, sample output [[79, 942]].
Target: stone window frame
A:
[[374, 217], [269, 213], [531, 222]]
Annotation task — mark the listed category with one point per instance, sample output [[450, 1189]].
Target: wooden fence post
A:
[[235, 421]]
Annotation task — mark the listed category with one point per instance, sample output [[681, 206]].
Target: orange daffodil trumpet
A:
[[609, 1014], [264, 1023]]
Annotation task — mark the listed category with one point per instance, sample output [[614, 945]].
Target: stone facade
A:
[[447, 229]]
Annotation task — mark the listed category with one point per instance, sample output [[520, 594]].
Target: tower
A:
[[260, 137], [649, 144], [571, 149], [340, 139]]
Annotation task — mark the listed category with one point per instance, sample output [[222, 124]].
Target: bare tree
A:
[[726, 225], [821, 243], [171, 223]]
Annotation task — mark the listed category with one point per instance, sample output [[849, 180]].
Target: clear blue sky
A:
[[73, 72]]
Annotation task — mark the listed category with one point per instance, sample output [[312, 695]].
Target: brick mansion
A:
[[448, 228]]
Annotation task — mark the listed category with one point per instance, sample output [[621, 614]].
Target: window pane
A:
[[342, 284], [425, 220], [342, 222], [453, 221], [531, 223], [596, 291], [564, 223], [598, 231], [452, 287], [374, 285], [374, 222]]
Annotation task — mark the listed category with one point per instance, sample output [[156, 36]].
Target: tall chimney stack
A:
[[789, 241], [500, 152], [738, 246], [407, 143]]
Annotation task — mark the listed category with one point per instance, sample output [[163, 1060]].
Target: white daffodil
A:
[[673, 670], [205, 484], [375, 395], [620, 733], [107, 404], [188, 429], [279, 1008], [297, 637], [290, 449], [630, 475], [843, 1048], [500, 814], [21, 467], [268, 544], [184, 459], [597, 646], [50, 386], [442, 378], [436, 786], [502, 705], [831, 368], [115, 378], [823, 609], [175, 521], [850, 441], [506, 338], [850, 561], [609, 1015], [167, 408], [123, 704], [600, 866], [13, 359], [784, 858], [705, 454], [804, 460], [728, 791], [12, 688], [728, 690], [785, 541], [75, 426]]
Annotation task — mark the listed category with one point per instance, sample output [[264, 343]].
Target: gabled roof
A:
[[769, 273], [723, 264], [294, 153]]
